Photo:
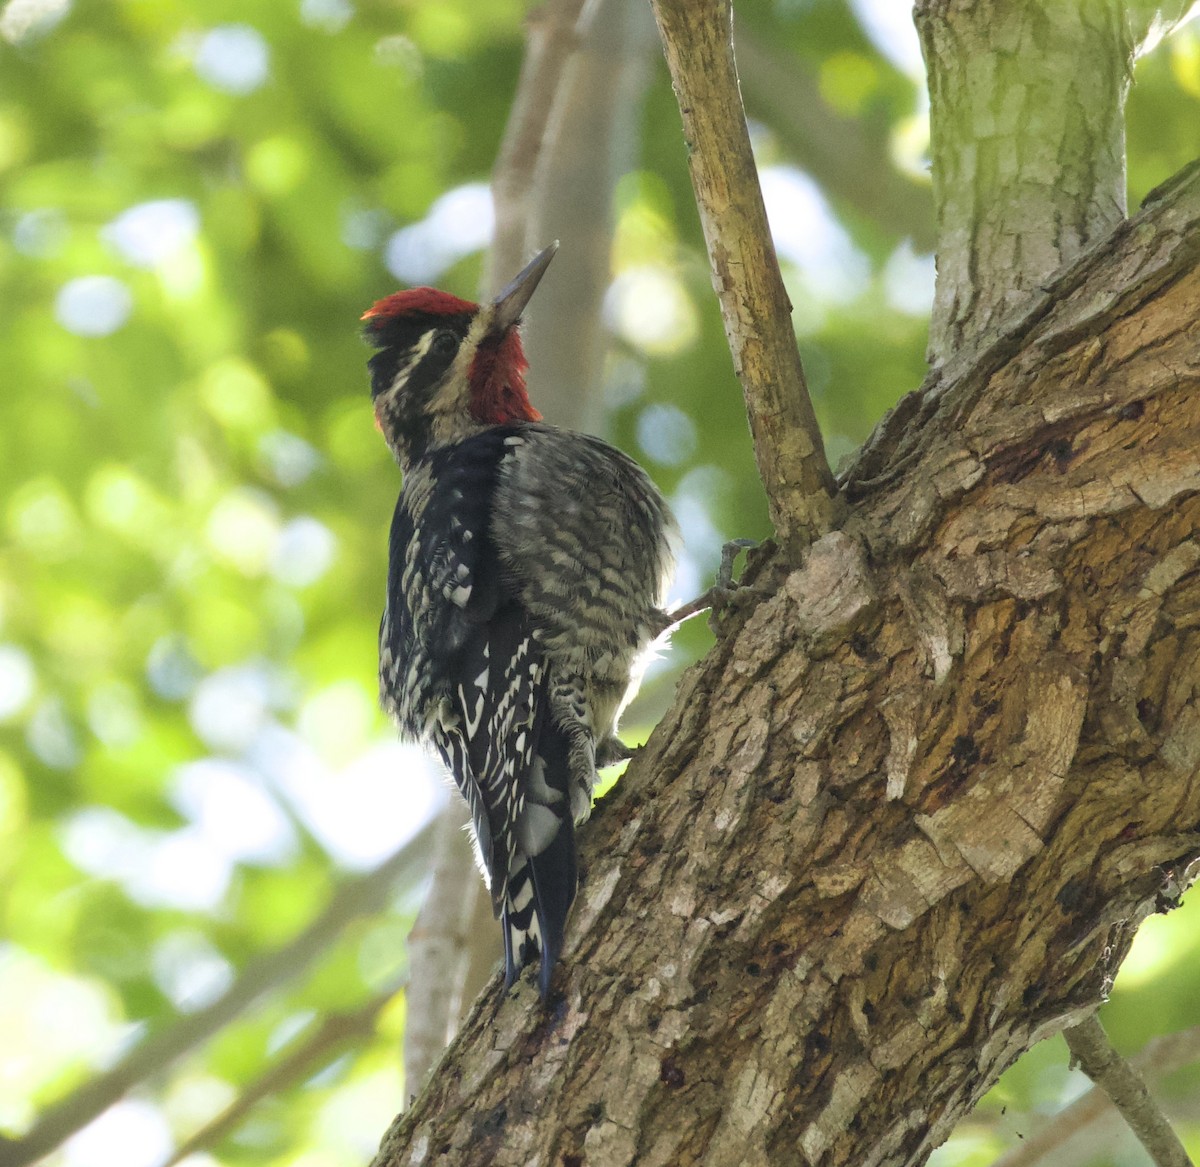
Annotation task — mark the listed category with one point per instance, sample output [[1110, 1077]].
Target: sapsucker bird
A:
[[527, 572]]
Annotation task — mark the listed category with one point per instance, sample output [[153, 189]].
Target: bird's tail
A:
[[542, 875]]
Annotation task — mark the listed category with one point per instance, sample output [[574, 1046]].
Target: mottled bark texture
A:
[[1027, 141], [1028, 163], [903, 822]]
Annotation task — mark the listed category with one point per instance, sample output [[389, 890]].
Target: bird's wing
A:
[[469, 629], [583, 536]]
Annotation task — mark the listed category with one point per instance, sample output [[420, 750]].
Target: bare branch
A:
[[697, 39], [590, 143], [313, 1052], [438, 949], [1090, 1047], [356, 897], [1028, 150], [1158, 1057], [902, 437]]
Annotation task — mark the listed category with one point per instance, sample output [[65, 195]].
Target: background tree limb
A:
[[450, 923], [308, 1054], [357, 897], [553, 32]]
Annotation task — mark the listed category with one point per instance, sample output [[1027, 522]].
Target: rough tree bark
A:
[[904, 820]]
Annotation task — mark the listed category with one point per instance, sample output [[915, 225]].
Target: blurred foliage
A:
[[196, 202]]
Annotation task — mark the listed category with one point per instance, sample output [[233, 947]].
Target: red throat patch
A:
[[498, 394]]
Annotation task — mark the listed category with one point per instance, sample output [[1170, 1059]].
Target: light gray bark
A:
[[439, 947], [1028, 149], [1027, 129]]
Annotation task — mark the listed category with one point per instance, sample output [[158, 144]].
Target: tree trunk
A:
[[1028, 164], [1027, 127], [904, 820]]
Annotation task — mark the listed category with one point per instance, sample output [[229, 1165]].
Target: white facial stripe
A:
[[405, 371], [456, 384]]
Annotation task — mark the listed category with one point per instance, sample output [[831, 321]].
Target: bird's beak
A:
[[511, 302]]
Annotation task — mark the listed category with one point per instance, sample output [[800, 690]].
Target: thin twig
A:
[[1090, 1047], [1157, 1058], [355, 898], [313, 1053], [697, 37]]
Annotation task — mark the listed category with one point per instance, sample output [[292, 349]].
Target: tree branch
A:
[[591, 142], [697, 39], [265, 974], [334, 1033], [438, 948], [1158, 1057], [1147, 252], [1090, 1047], [553, 35], [1151, 20]]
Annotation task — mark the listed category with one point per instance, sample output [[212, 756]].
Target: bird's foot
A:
[[722, 590], [612, 750]]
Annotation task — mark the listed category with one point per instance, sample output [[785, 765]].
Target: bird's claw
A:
[[729, 553], [723, 588], [612, 750]]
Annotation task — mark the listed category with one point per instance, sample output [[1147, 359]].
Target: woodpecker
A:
[[527, 574]]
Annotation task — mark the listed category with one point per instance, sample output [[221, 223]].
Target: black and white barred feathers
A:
[[528, 566]]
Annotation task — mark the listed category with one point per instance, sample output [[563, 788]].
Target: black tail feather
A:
[[541, 888], [554, 881], [544, 887]]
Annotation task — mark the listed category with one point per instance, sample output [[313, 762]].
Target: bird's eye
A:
[[445, 344]]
